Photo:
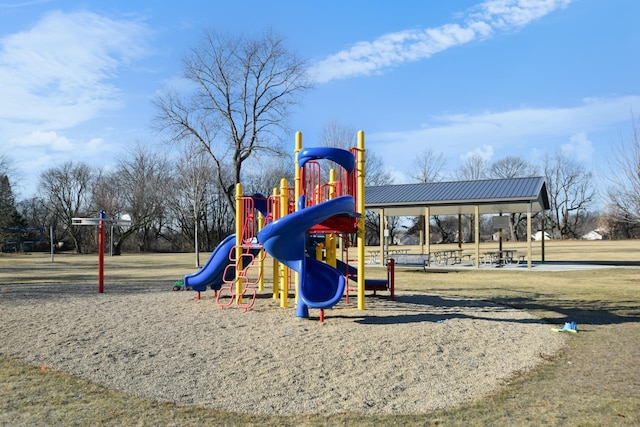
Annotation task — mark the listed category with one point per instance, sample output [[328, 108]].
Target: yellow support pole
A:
[[331, 255], [276, 264], [319, 252], [261, 255], [360, 209], [297, 190], [239, 218], [330, 239], [297, 173], [284, 205]]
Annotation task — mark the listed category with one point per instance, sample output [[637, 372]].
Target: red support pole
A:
[[391, 279], [101, 253]]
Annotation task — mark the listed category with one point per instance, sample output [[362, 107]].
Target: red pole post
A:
[[103, 215], [391, 279]]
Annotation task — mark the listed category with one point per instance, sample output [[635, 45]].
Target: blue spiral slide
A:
[[321, 286]]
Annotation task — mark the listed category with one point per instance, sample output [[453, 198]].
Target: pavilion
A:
[[475, 197]]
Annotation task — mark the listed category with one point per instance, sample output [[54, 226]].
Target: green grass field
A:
[[593, 381]]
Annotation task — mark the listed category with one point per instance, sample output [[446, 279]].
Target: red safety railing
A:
[[315, 191], [249, 223]]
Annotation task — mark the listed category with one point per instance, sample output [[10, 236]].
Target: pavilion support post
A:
[[383, 226], [476, 226], [542, 226], [459, 231], [427, 230], [529, 239]]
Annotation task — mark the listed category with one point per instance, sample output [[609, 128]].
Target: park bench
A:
[[411, 260]]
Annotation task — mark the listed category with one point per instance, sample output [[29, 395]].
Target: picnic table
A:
[[500, 257], [448, 256], [406, 259], [373, 254]]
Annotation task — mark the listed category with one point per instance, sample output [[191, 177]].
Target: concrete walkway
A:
[[542, 266]]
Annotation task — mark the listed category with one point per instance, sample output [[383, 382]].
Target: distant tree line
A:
[[571, 188], [174, 203], [229, 125]]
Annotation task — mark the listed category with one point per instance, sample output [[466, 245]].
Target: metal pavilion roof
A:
[[460, 197]]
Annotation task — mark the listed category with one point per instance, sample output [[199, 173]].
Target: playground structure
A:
[[299, 228]]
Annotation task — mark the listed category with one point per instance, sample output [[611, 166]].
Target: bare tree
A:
[[145, 185], [428, 167], [571, 192], [376, 175], [339, 135], [35, 213], [266, 175], [335, 134], [624, 177], [243, 91], [6, 165], [194, 175], [513, 167], [67, 190], [475, 167]]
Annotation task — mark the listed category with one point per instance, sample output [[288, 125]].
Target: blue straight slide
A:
[[211, 273], [321, 286]]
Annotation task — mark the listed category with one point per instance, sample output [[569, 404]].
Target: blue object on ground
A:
[[570, 326]]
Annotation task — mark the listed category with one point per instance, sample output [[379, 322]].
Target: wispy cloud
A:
[[57, 74], [524, 131], [479, 22], [579, 147], [18, 4]]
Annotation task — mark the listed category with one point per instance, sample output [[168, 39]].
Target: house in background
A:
[[537, 236], [592, 235]]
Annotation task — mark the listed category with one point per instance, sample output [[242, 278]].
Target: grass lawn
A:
[[595, 380]]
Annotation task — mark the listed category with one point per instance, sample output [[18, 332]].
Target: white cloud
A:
[[527, 131], [513, 14], [372, 57], [43, 139], [486, 152], [579, 147], [57, 73], [18, 4]]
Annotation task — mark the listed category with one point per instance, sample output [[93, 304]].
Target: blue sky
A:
[[493, 77]]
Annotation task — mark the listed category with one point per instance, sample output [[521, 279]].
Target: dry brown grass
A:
[[595, 380]]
